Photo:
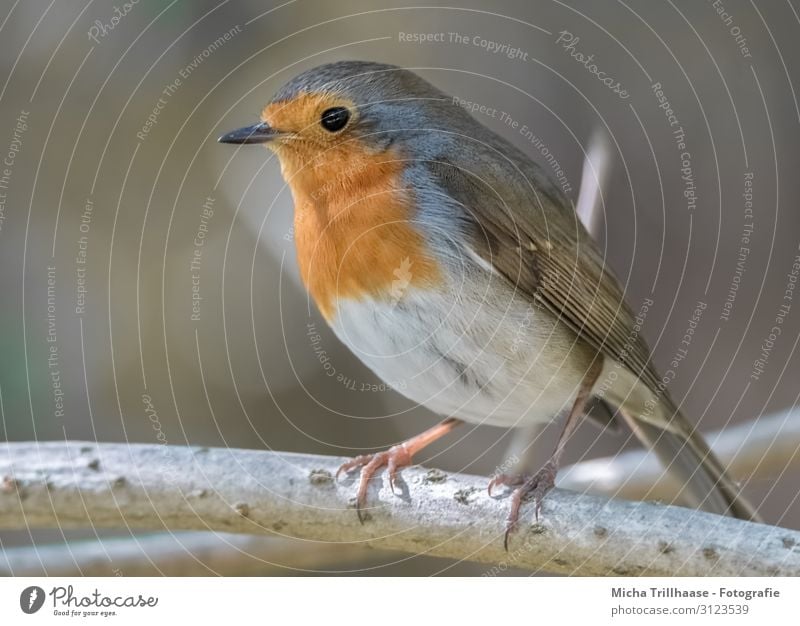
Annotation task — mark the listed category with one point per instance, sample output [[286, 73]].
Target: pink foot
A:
[[536, 487], [393, 458]]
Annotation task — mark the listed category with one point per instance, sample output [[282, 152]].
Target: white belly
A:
[[484, 356]]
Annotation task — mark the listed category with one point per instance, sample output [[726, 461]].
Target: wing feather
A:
[[551, 258], [555, 263]]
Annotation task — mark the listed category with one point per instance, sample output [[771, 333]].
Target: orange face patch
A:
[[301, 116], [353, 232]]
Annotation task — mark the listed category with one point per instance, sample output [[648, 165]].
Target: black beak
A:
[[257, 133]]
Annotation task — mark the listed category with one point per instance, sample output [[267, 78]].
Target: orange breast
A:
[[352, 229]]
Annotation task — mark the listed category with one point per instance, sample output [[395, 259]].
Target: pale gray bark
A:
[[77, 485]]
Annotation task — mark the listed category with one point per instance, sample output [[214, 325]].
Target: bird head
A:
[[344, 112], [346, 134]]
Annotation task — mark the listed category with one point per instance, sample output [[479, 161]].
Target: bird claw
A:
[[394, 458], [507, 480], [533, 487]]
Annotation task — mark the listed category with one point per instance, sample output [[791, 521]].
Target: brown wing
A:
[[546, 253]]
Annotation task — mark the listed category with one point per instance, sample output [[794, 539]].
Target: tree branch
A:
[[74, 485]]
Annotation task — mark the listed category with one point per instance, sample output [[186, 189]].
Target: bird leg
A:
[[394, 458], [540, 483]]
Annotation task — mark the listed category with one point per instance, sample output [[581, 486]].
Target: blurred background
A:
[[113, 181]]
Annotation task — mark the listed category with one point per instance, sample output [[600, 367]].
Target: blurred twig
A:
[[594, 179], [183, 554], [73, 485], [763, 448]]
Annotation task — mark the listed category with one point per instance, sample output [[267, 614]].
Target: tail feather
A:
[[658, 423], [690, 461]]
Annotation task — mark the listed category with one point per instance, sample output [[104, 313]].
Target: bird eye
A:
[[334, 119]]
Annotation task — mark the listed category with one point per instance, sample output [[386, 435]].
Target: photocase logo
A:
[[31, 599]]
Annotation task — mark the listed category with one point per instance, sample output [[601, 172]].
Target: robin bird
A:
[[443, 256]]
